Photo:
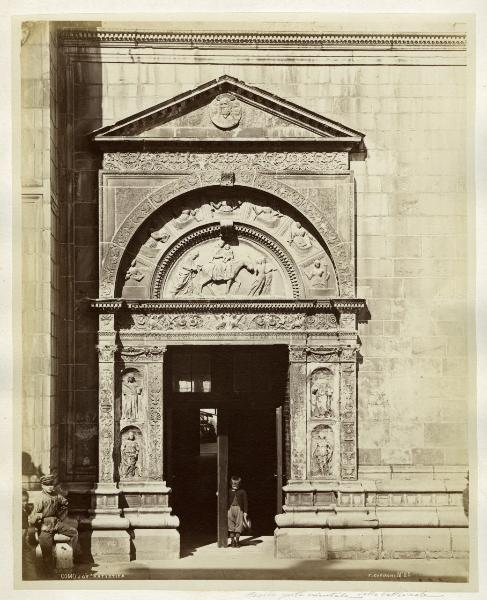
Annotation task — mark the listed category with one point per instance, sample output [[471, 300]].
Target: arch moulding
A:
[[340, 251]]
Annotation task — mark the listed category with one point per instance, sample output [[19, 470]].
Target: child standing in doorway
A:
[[237, 510]]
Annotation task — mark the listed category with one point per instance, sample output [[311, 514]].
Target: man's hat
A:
[[47, 480]]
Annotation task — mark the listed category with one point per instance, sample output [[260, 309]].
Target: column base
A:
[[300, 542], [106, 513], [156, 544], [110, 546]]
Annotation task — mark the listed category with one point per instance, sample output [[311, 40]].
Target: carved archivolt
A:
[[339, 250]]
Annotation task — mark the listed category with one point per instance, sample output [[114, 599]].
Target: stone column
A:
[[146, 495], [110, 538]]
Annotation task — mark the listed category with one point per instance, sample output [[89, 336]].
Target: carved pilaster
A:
[[297, 401], [348, 419], [106, 409], [155, 418], [107, 514]]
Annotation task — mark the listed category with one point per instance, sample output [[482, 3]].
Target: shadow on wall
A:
[[30, 472]]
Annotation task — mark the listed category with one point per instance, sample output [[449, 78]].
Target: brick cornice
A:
[[260, 40]]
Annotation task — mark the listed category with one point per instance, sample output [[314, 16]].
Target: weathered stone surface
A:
[[300, 543], [156, 544], [353, 543], [109, 545], [415, 542]]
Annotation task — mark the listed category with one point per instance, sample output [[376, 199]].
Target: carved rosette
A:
[[297, 395], [106, 413]]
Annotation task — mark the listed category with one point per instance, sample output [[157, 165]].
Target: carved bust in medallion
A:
[[225, 111]]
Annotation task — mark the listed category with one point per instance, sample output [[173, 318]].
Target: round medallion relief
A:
[[225, 111]]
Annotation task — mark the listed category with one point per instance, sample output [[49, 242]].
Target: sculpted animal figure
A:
[[212, 274]]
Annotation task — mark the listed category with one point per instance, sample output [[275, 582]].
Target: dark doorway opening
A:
[[221, 421]]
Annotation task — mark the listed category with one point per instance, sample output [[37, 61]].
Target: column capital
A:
[[106, 352], [297, 354]]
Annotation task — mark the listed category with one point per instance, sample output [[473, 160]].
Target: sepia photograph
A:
[[247, 297]]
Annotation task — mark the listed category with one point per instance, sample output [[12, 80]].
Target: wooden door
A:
[[222, 467], [279, 476]]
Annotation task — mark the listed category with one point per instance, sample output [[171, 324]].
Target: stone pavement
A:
[[254, 560]]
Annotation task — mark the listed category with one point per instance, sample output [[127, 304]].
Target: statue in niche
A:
[[321, 400], [130, 398], [130, 456], [134, 272], [268, 215], [261, 286], [186, 216], [298, 236], [322, 452], [184, 283], [318, 275]]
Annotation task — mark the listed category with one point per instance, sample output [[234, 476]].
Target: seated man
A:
[[47, 515]]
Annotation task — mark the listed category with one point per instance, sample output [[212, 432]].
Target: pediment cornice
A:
[[148, 129]]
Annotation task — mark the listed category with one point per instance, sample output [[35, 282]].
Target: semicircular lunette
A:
[[245, 264]]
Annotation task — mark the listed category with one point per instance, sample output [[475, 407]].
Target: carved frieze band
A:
[[177, 162], [218, 321], [340, 252]]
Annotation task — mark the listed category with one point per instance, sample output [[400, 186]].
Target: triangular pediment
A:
[[228, 109]]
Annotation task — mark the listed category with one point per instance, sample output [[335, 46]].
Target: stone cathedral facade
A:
[[269, 228]]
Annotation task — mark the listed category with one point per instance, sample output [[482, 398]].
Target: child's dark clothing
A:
[[237, 506]]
